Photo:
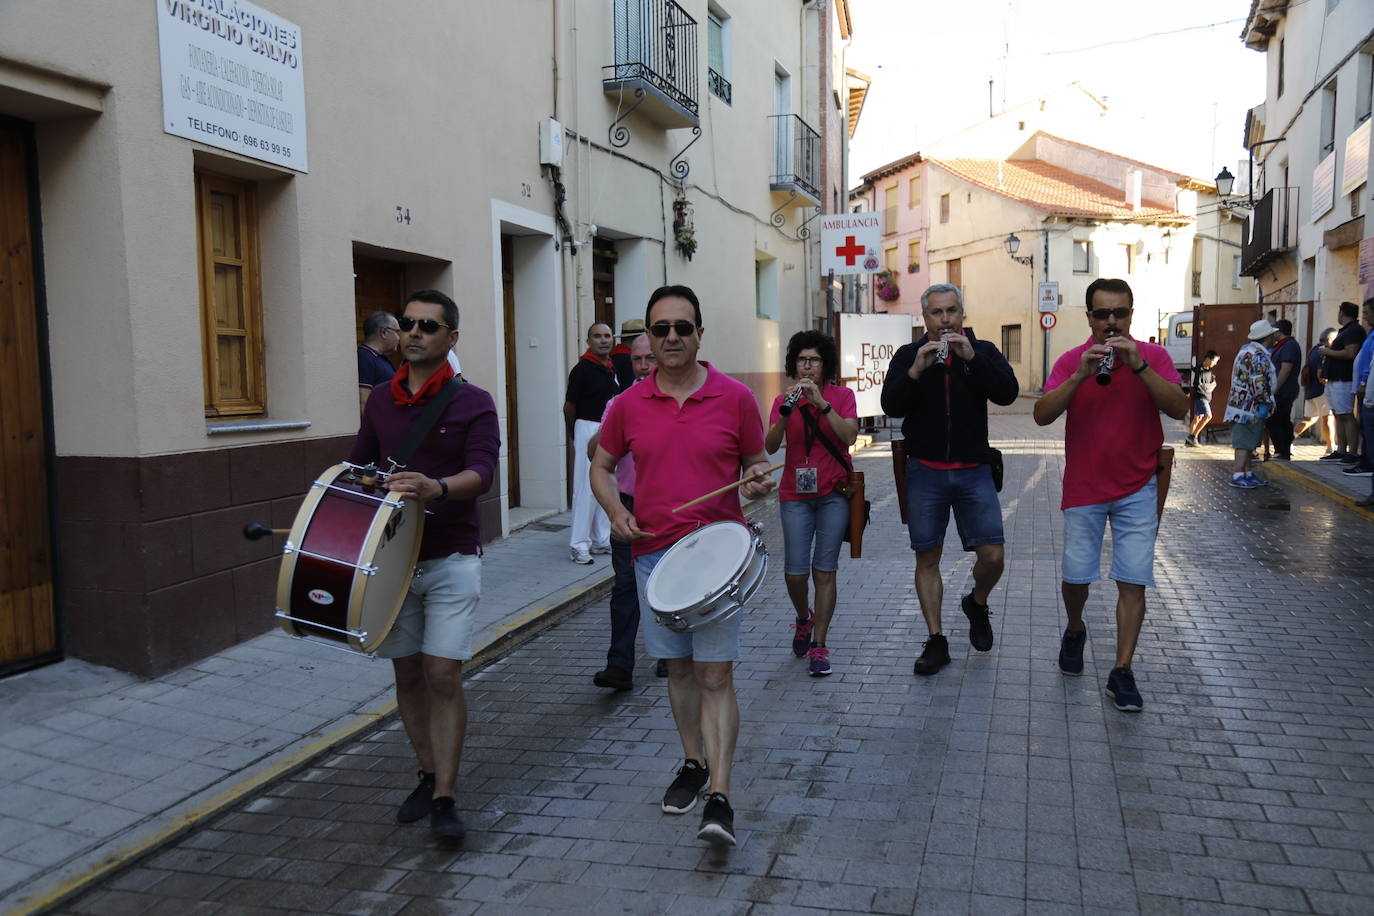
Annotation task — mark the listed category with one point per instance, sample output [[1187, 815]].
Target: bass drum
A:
[[348, 561], [707, 577]]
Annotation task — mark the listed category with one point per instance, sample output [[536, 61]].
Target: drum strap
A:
[[425, 423]]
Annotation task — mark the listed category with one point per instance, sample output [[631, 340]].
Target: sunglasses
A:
[[683, 328], [1104, 314], [427, 325]]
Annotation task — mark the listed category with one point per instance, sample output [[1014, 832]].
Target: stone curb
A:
[[1293, 475]]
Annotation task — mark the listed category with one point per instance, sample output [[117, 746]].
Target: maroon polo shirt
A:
[[466, 437]]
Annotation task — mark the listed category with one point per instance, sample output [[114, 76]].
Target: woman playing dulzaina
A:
[[819, 420]]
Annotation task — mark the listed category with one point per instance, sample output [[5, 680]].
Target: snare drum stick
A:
[[728, 487]]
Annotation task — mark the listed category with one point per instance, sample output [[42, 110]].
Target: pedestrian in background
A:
[[1251, 401], [1204, 385], [1365, 466], [381, 337], [819, 420], [1340, 389], [591, 385], [1286, 356], [1315, 410]]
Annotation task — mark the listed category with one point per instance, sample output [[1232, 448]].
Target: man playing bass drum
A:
[[941, 385]]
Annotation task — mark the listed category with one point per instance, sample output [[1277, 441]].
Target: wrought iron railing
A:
[[797, 154], [1271, 229], [656, 41], [719, 85]]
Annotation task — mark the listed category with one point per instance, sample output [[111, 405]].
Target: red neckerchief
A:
[[402, 396], [591, 357], [1281, 341], [620, 350]]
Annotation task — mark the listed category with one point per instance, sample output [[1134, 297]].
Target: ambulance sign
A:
[[850, 243]]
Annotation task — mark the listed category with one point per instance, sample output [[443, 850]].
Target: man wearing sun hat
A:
[[1251, 401], [620, 354]]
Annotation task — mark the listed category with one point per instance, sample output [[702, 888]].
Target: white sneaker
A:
[[581, 556], [601, 549]]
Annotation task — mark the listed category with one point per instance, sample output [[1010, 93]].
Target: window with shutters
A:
[[913, 256], [230, 297], [1082, 257], [890, 209], [944, 208], [913, 192], [1011, 342]]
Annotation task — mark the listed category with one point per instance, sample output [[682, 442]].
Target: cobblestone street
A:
[[996, 786]]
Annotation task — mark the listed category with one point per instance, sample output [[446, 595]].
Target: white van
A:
[[1179, 343]]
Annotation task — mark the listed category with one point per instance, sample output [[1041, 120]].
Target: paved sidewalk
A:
[[96, 764], [1305, 469], [997, 786]]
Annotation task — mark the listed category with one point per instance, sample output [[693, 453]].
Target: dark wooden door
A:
[[512, 414], [378, 286], [603, 280], [28, 630], [1224, 328]]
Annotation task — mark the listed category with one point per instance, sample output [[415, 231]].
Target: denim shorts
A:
[[931, 493], [1202, 407], [436, 617], [824, 520], [1341, 397], [1247, 436], [718, 642], [1134, 521]]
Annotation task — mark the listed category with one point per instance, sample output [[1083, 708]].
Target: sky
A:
[[1177, 100]]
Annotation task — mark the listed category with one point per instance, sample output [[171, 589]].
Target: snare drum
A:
[[348, 561], [707, 577]]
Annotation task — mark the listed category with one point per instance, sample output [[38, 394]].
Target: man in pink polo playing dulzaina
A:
[[691, 429], [1111, 454]]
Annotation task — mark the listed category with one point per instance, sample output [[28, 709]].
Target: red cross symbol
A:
[[850, 250]]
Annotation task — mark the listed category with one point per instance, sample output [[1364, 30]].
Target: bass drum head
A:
[[392, 547], [699, 567]]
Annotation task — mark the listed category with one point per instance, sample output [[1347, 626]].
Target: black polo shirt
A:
[[590, 388], [1343, 370]]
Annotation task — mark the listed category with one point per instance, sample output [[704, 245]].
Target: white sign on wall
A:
[[850, 243], [1323, 186], [1356, 169], [232, 78], [867, 343], [1047, 296]]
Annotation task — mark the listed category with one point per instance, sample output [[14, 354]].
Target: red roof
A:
[[1052, 189]]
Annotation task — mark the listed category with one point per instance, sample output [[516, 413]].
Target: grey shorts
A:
[[436, 618]]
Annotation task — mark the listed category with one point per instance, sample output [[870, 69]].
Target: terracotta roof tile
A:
[[1056, 190]]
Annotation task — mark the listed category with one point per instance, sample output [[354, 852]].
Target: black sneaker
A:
[[443, 820], [934, 655], [681, 796], [717, 821], [1335, 456], [417, 803], [614, 678], [1071, 651], [979, 630], [1121, 688]]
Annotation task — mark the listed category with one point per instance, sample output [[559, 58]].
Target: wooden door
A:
[[512, 414], [604, 258], [1224, 328], [28, 630], [378, 286]]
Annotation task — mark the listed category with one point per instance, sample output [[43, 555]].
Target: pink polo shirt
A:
[[1112, 434], [828, 471], [681, 453]]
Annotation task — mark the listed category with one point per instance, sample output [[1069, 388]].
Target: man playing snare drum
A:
[[691, 430], [451, 467]]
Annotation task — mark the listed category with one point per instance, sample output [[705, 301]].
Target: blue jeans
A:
[[1367, 434], [931, 493], [624, 602], [823, 520], [1135, 521]]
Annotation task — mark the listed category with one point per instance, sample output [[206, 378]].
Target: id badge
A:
[[806, 480]]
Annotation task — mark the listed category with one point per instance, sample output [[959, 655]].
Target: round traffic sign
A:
[[1047, 320]]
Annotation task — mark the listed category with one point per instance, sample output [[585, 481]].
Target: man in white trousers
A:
[[591, 385]]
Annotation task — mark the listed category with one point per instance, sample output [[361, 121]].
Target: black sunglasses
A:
[[1104, 314], [661, 328], [428, 325]]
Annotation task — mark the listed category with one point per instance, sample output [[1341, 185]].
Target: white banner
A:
[[232, 78], [1356, 169], [867, 343], [1323, 188], [1047, 295], [850, 243]]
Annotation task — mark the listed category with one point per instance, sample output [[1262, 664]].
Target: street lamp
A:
[[1225, 182], [1013, 244]]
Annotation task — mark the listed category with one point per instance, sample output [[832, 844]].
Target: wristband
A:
[[443, 489], [828, 408], [1143, 367]]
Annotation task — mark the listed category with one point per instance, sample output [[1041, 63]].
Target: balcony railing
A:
[[719, 85], [656, 51], [796, 157], [1271, 230]]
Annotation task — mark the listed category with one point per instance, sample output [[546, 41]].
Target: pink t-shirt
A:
[[682, 453], [625, 467], [828, 471], [1112, 434]]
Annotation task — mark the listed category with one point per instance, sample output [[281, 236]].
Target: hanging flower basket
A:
[[684, 233], [885, 285]]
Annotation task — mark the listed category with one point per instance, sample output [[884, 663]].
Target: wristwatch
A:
[[443, 489], [827, 409]]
